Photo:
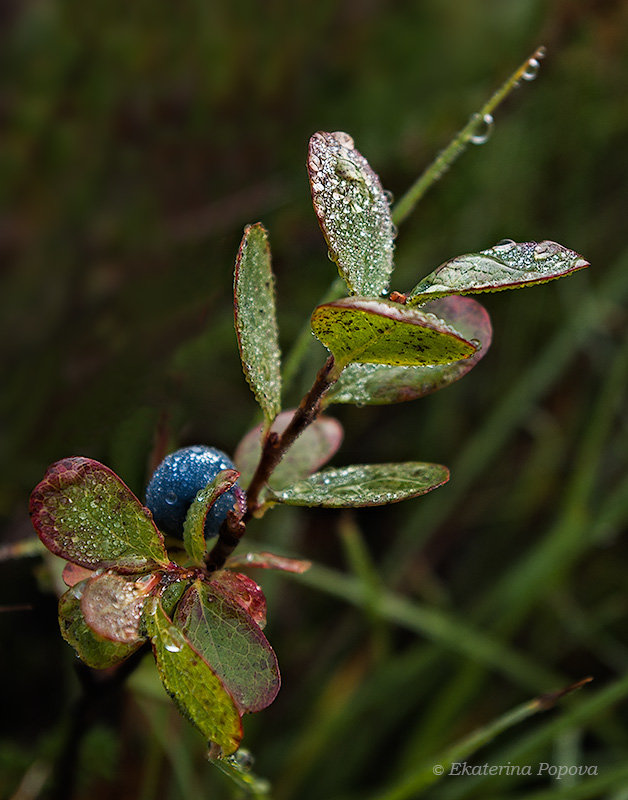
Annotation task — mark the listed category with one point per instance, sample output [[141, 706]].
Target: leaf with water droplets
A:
[[316, 445], [84, 513], [194, 525], [364, 485], [112, 604], [191, 682], [377, 384], [256, 319], [367, 330], [242, 591], [230, 641], [92, 649], [353, 212], [507, 265], [265, 560]]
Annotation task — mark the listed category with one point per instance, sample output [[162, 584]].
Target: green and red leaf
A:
[[84, 513], [194, 686], [378, 384], [194, 525], [94, 650], [353, 212], [368, 330], [230, 641], [507, 265], [265, 560], [242, 591], [364, 485]]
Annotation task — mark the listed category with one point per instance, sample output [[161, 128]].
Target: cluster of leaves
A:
[[203, 617]]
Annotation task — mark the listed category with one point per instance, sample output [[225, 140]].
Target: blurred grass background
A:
[[137, 141]]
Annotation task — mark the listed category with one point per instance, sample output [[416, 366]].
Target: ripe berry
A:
[[177, 480]]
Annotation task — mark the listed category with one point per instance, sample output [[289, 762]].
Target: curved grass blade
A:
[[230, 641], [353, 212], [507, 265], [83, 512], [256, 319], [364, 485], [368, 330], [378, 384], [191, 682]]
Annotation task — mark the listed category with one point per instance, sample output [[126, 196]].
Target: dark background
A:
[[137, 141]]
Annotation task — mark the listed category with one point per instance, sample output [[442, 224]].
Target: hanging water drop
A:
[[170, 498], [531, 70], [483, 126], [476, 343], [390, 197]]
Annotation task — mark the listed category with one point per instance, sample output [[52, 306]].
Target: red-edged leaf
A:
[[243, 591], [265, 560], [84, 513], [232, 644], [73, 574]]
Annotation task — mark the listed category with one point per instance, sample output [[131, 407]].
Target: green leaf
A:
[[256, 319], [112, 604], [194, 526], [368, 330], [353, 212], [232, 643], [507, 265], [191, 682], [376, 384], [364, 485], [316, 445], [92, 649], [84, 513]]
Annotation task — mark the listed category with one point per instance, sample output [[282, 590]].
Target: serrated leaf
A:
[[364, 485], [243, 592], [84, 513], [353, 212], [232, 643], [316, 445], [92, 649], [368, 330], [256, 319], [265, 560], [112, 604], [376, 384], [507, 265], [191, 682], [194, 525]]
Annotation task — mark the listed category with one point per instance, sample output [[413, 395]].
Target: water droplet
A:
[[483, 128], [330, 256], [531, 70], [504, 245], [317, 187], [170, 498], [390, 197], [476, 343], [344, 140], [542, 251], [172, 646]]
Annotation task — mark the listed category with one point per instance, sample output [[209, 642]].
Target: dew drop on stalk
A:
[[531, 70], [483, 128]]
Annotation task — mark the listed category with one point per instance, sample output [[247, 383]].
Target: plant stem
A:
[[277, 445], [404, 207]]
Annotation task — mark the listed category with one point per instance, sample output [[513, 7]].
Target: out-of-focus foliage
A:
[[137, 140]]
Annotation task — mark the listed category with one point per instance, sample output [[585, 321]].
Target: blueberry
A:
[[175, 483]]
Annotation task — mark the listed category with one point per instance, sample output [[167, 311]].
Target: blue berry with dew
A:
[[177, 480]]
